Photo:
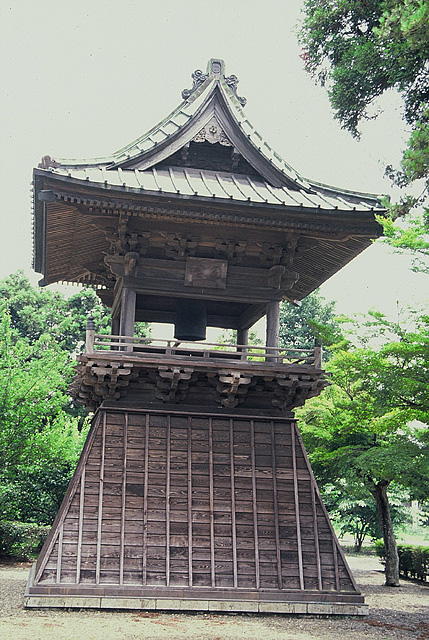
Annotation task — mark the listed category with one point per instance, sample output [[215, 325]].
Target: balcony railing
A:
[[132, 345]]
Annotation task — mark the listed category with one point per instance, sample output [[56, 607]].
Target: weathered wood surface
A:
[[169, 500]]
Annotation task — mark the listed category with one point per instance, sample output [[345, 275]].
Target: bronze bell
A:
[[191, 319]]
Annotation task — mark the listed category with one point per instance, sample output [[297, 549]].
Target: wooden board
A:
[[171, 500]]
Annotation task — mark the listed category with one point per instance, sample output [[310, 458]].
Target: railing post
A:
[[90, 335], [317, 354]]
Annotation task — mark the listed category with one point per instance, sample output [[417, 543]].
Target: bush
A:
[[413, 561], [21, 539]]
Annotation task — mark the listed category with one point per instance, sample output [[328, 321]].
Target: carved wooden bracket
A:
[[281, 278], [231, 387], [233, 251], [179, 247], [108, 382], [172, 383], [293, 390], [131, 260]]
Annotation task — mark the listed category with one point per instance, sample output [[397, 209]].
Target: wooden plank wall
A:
[[175, 500]]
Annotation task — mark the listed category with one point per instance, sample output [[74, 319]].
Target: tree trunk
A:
[[383, 509]]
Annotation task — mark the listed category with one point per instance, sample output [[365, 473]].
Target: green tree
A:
[[301, 325], [352, 509], [39, 440], [359, 49], [361, 430], [38, 311]]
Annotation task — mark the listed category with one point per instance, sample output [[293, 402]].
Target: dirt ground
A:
[[394, 613]]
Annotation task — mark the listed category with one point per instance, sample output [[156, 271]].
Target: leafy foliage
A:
[[360, 430], [413, 561], [41, 430], [39, 312], [353, 510], [359, 49], [39, 439], [313, 319], [21, 539]]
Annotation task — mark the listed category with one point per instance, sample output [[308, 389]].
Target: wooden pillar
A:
[[128, 313], [273, 315], [242, 339], [115, 329], [115, 325]]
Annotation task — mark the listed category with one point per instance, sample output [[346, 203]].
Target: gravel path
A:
[[394, 613]]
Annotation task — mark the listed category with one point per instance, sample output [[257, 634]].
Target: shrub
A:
[[413, 561], [21, 539]]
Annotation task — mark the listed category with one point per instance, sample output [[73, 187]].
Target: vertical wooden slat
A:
[[334, 553], [80, 533], [145, 493], [340, 552], [255, 505], [233, 523], [316, 536], [190, 576], [211, 500], [276, 506], [167, 504], [100, 501], [296, 495], [123, 500], [68, 499], [60, 552]]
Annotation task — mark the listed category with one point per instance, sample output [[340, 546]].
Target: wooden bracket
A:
[[231, 387], [108, 382], [172, 383]]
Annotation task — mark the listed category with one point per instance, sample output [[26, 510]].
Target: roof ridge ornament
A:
[[198, 78], [215, 69], [232, 82]]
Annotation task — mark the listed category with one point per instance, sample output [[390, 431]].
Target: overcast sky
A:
[[82, 79]]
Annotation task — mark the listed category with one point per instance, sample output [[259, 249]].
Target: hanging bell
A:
[[191, 320]]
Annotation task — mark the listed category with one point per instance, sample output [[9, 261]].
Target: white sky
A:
[[83, 78]]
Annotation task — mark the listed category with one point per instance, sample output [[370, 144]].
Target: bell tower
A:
[[194, 490]]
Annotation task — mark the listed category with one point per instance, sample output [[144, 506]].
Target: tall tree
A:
[[359, 49], [39, 440], [300, 325], [35, 312], [361, 428]]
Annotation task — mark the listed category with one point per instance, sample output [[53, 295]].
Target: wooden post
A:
[[243, 339], [90, 335], [317, 355], [128, 314], [115, 325], [115, 330], [273, 315]]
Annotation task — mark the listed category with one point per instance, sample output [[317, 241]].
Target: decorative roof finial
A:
[[216, 69], [199, 78], [232, 82]]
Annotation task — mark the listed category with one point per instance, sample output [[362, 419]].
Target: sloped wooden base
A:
[[173, 510]]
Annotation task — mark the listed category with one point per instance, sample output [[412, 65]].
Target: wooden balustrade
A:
[[97, 343]]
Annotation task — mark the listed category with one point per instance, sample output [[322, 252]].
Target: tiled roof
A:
[[189, 182], [213, 95]]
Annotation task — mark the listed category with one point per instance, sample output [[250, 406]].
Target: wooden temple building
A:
[[194, 490]]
